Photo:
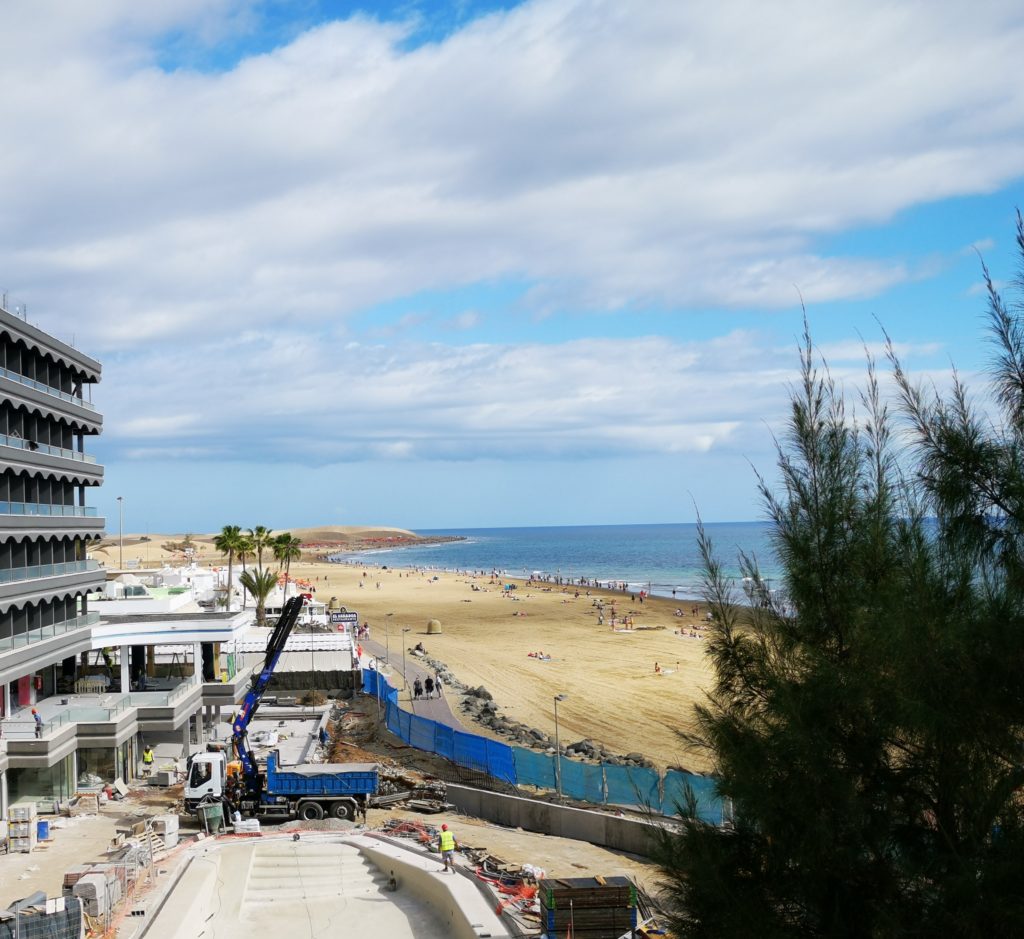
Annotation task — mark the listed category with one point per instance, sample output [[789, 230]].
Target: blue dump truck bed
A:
[[324, 779]]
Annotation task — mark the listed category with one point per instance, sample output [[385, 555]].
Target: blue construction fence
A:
[[601, 783]]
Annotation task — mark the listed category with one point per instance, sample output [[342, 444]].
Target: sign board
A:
[[340, 617]]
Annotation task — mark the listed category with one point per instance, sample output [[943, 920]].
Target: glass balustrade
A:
[[47, 389], [48, 632], [13, 440], [39, 508], [13, 574]]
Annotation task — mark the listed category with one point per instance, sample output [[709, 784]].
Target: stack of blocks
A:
[[22, 826]]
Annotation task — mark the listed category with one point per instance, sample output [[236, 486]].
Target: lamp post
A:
[[387, 639], [405, 678], [558, 749], [120, 532]]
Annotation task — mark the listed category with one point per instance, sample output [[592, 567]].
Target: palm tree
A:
[[244, 549], [259, 584], [287, 548], [262, 539], [227, 542]]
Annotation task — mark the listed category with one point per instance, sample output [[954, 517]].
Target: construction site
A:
[[313, 816]]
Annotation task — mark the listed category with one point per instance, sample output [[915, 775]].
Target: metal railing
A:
[[46, 389], [48, 632], [41, 508], [35, 447], [12, 575]]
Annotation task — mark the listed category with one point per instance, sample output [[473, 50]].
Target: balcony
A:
[[92, 711], [13, 575], [46, 389], [54, 511], [48, 632], [32, 446]]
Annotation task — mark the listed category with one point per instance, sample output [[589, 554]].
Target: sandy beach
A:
[[615, 698]]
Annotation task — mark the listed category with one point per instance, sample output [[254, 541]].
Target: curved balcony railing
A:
[[40, 508], [48, 632], [12, 575], [16, 441], [46, 389]]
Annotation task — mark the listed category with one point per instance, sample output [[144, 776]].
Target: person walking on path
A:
[[147, 760], [417, 689], [39, 723], [428, 685], [447, 845]]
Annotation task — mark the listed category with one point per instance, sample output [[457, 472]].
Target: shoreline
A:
[[616, 696], [538, 576]]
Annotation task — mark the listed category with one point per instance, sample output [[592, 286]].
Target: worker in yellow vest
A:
[[447, 842], [147, 760]]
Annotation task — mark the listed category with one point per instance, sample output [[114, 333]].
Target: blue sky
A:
[[472, 264]]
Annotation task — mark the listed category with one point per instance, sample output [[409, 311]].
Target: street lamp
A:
[[387, 640], [120, 532], [558, 749], [405, 678]]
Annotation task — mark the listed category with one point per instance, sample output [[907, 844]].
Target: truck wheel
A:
[[311, 811], [343, 810]]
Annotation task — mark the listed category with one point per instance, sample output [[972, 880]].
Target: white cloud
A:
[[307, 399], [668, 154]]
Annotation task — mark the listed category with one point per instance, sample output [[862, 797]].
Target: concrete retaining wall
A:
[[454, 898], [622, 834]]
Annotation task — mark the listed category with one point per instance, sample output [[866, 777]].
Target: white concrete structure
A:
[[322, 885]]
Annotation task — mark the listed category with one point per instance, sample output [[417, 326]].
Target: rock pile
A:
[[479, 705]]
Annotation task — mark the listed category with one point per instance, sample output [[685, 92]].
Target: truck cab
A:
[[206, 779]]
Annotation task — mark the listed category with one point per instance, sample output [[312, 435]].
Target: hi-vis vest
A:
[[147, 756], [447, 841]]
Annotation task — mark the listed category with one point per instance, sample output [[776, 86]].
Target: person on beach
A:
[[428, 684], [657, 669]]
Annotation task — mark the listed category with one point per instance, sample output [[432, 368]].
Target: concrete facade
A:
[[97, 685], [46, 523]]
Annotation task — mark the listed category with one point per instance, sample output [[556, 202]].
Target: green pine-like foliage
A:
[[867, 720]]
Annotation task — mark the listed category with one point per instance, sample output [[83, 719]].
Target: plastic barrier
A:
[[709, 804], [534, 769], [632, 785], [588, 782], [583, 780]]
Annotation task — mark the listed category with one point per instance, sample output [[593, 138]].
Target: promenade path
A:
[[435, 708]]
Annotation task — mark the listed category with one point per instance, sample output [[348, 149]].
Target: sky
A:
[[471, 264]]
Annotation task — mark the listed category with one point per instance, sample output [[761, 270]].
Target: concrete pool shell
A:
[[324, 884]]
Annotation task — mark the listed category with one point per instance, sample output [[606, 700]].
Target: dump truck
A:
[[243, 785], [339, 790]]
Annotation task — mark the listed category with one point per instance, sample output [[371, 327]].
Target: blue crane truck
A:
[[269, 791]]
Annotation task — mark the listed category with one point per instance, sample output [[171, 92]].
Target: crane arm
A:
[[275, 646]]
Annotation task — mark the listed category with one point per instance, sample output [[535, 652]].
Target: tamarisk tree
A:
[[866, 722]]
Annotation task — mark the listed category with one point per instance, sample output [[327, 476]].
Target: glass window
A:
[[51, 782], [96, 767]]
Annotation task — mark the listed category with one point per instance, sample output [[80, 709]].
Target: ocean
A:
[[661, 558]]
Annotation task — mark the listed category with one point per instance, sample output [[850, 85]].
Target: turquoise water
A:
[[661, 558]]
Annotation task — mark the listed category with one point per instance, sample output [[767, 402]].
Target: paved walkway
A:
[[435, 708]]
